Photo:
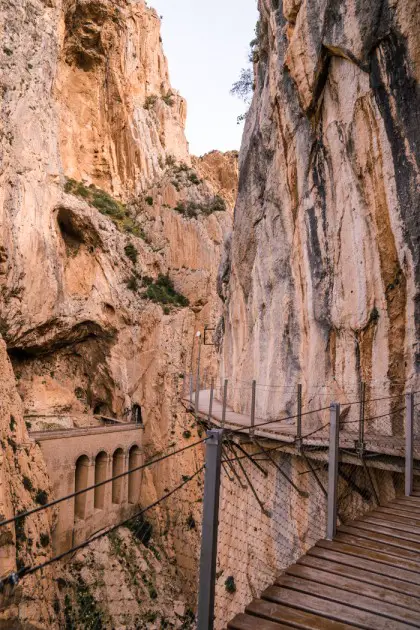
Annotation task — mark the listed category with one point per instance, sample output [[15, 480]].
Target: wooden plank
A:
[[344, 554], [395, 518], [384, 529], [411, 499], [401, 515], [406, 510], [342, 596], [296, 617], [363, 577], [332, 610], [401, 507], [395, 526], [249, 622], [393, 541], [394, 554], [371, 554]]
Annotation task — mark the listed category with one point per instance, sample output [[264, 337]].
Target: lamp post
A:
[[197, 382]]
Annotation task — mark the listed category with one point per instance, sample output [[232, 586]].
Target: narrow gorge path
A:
[[367, 577]]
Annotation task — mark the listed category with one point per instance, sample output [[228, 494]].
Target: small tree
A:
[[244, 87]]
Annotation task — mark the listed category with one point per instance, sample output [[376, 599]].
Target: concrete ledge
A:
[[41, 436]]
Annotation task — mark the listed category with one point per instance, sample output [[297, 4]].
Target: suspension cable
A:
[[14, 577]]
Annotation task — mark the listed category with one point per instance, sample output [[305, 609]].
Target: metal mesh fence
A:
[[142, 569], [273, 509]]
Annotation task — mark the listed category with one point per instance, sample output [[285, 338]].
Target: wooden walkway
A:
[[367, 577], [285, 431]]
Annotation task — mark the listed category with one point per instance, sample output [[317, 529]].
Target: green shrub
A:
[[182, 168], [187, 434], [27, 483], [131, 252], [150, 101], [149, 201], [7, 51], [168, 99], [44, 540], [192, 210], [230, 585], [41, 497], [12, 423], [194, 179], [107, 205], [162, 291], [132, 283], [170, 160]]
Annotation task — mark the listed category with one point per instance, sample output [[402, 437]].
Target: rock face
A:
[[110, 234], [22, 477], [322, 276]]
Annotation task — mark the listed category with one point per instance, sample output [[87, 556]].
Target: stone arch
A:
[[83, 454], [134, 460], [81, 477], [101, 465], [117, 468]]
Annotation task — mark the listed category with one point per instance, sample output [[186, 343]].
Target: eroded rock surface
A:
[[325, 274], [110, 234]]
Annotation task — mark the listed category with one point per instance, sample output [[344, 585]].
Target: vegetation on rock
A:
[[162, 291], [107, 205], [191, 209]]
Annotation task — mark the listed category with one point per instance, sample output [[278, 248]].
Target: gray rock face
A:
[[325, 274]]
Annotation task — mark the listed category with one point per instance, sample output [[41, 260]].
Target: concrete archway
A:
[[81, 482], [101, 464], [117, 469], [134, 461]]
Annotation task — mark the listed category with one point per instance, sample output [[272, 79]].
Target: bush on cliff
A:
[[107, 205], [163, 292]]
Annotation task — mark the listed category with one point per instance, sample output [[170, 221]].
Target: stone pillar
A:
[[108, 486], [90, 496], [62, 536], [124, 499]]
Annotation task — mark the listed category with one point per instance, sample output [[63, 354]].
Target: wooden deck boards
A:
[[367, 577]]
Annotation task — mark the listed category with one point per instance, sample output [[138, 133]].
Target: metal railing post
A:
[[211, 399], [197, 384], [361, 443], [208, 555], [225, 387], [299, 418], [409, 434], [253, 401], [333, 470]]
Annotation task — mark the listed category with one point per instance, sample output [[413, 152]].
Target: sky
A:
[[207, 43]]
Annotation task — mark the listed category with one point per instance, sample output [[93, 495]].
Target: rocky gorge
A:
[[117, 245], [110, 239]]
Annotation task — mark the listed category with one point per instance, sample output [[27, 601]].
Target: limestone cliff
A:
[[110, 234], [24, 485], [322, 277]]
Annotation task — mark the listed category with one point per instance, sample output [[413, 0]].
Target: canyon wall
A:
[[110, 237], [321, 278]]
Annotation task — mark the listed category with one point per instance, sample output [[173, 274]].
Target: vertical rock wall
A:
[[322, 277], [99, 202]]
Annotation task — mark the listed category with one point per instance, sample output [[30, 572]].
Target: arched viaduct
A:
[[78, 458]]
